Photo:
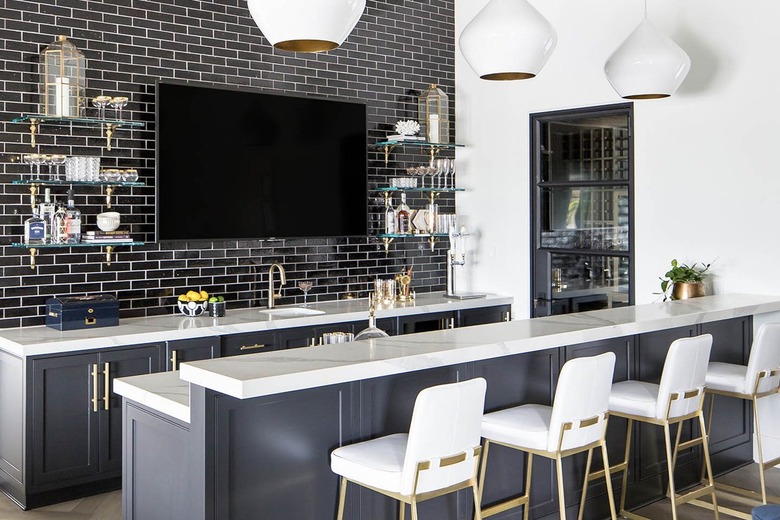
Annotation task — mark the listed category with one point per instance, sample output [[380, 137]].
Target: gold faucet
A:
[[271, 295]]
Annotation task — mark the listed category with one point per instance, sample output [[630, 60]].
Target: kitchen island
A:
[[260, 428]]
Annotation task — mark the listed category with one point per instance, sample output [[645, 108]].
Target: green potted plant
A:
[[683, 281]]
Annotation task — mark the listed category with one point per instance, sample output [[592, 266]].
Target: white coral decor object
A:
[[408, 127]]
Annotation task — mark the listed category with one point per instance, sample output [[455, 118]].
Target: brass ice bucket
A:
[[683, 291]]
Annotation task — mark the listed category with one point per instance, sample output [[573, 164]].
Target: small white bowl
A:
[[192, 309], [108, 221]]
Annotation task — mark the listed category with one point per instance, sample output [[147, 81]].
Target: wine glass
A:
[[305, 286], [101, 102], [442, 170], [118, 103], [452, 173], [28, 159], [37, 159], [57, 161]]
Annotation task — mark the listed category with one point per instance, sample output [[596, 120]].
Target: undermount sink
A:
[[291, 312]]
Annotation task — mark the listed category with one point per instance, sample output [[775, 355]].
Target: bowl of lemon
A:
[[193, 303]]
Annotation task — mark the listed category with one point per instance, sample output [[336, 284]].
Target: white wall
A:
[[706, 175]]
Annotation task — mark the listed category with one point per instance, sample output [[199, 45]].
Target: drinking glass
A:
[[305, 286], [27, 159], [451, 172], [118, 103], [57, 161], [37, 160], [101, 102]]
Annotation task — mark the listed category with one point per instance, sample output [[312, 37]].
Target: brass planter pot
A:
[[683, 291]]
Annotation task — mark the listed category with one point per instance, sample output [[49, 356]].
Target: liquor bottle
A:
[[72, 222], [47, 208], [59, 225], [34, 230], [402, 216], [390, 218]]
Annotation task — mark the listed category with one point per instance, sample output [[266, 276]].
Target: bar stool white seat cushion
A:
[[634, 398], [526, 426], [726, 377], [377, 463]]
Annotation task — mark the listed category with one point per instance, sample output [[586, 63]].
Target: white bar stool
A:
[[760, 378], [679, 397], [576, 422], [440, 454]]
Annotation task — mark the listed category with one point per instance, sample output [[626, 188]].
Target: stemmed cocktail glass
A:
[[305, 286]]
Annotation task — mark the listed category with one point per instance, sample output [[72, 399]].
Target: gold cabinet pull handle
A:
[[507, 316], [94, 388], [252, 347], [107, 385], [174, 356]]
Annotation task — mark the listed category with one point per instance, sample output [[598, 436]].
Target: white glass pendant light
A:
[[507, 40], [647, 65], [306, 25]]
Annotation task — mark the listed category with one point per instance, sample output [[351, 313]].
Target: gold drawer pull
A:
[[252, 347], [107, 384], [174, 359], [90, 320], [94, 388]]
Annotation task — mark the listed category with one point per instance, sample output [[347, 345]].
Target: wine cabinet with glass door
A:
[[582, 210]]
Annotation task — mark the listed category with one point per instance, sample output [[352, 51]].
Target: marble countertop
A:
[[269, 373], [163, 391], [33, 341]]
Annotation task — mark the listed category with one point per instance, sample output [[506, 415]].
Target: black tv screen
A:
[[236, 163]]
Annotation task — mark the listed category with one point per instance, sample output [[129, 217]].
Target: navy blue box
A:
[[82, 312]]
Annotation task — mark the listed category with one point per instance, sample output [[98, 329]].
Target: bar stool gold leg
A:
[[706, 445], [414, 508], [608, 479], [669, 462], [759, 448], [481, 486], [477, 512], [401, 510], [561, 498], [528, 471], [624, 485], [342, 496], [669, 493], [585, 485]]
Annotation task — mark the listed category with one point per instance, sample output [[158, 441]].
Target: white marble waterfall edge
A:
[[269, 373]]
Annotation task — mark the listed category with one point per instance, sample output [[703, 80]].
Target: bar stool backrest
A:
[[684, 370], [582, 394], [446, 421], [764, 355]]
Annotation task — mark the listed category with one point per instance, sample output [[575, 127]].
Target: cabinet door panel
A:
[[64, 422], [121, 363], [183, 350]]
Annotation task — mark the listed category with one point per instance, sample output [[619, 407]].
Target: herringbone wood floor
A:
[[108, 506]]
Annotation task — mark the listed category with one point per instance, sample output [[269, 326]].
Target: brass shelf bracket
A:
[[109, 133], [109, 251], [33, 193], [109, 192], [387, 244], [432, 241], [434, 152], [387, 149], [33, 131], [33, 254]]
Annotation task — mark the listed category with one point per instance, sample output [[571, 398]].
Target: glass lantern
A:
[[63, 86], [434, 107]]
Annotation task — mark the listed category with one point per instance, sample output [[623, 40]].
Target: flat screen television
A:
[[239, 163]]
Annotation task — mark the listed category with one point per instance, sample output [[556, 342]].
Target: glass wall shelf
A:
[[80, 244], [422, 190], [108, 248], [434, 148], [83, 121], [107, 126], [412, 235], [42, 182]]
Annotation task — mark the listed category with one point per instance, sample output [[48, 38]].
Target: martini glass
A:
[[305, 286], [118, 103], [57, 161], [101, 102], [27, 159], [37, 160]]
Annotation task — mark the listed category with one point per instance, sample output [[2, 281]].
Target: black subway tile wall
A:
[[397, 48]]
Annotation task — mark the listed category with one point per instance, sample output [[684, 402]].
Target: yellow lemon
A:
[[193, 296], [204, 295], [183, 298]]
